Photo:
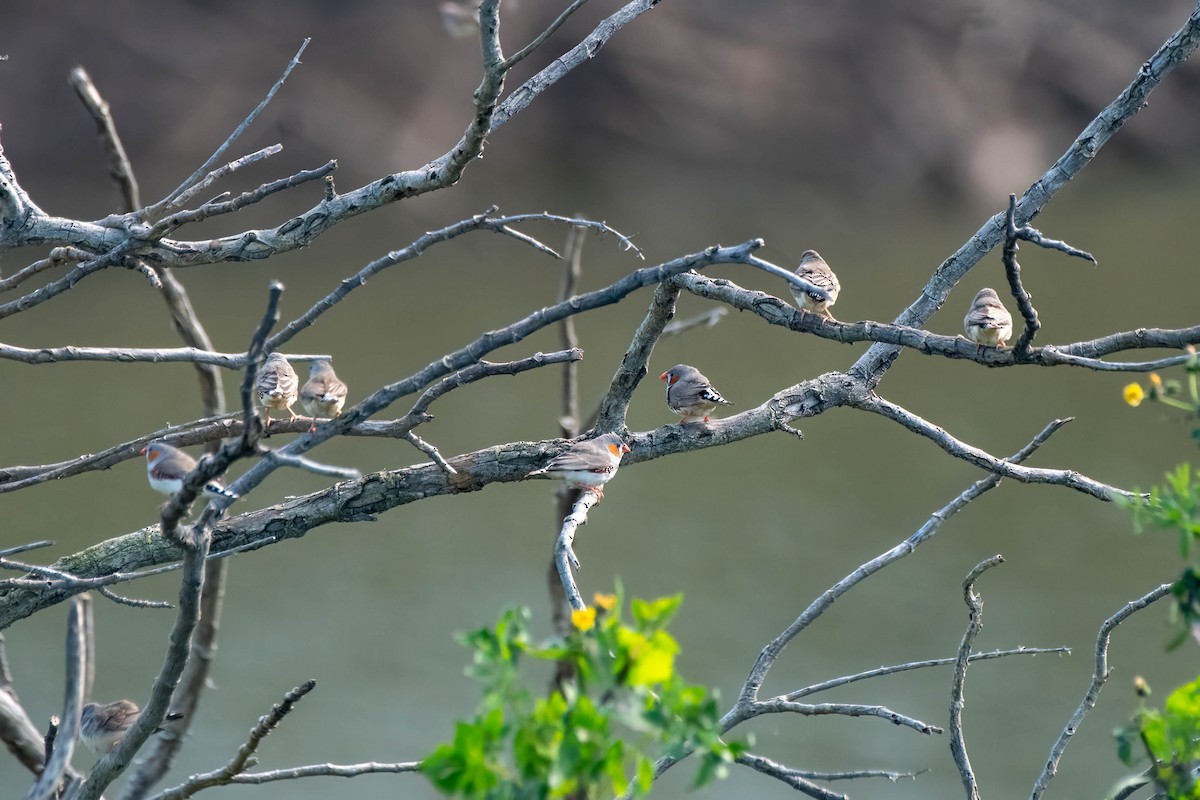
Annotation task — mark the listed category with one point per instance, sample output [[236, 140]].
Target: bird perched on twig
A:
[[588, 464], [276, 386], [988, 322], [690, 394], [814, 270], [103, 725], [167, 466], [323, 394]]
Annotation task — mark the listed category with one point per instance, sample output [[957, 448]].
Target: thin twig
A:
[[1099, 678], [983, 460], [512, 61], [326, 770], [894, 669], [431, 451], [564, 551], [177, 196], [218, 207], [779, 706], [243, 758], [1013, 270], [615, 405], [57, 257], [748, 696], [480, 222], [315, 467], [155, 710], [132, 355], [872, 365], [217, 428], [778, 312], [24, 548], [958, 745], [708, 319], [572, 271], [118, 162], [63, 745], [796, 779]]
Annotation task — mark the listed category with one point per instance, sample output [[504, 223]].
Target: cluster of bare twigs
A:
[[142, 239]]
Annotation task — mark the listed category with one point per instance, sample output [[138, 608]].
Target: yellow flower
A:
[[605, 601], [584, 618], [1155, 381], [1134, 395]]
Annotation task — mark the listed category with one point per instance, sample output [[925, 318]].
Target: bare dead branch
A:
[[1099, 678], [1173, 52], [57, 257], [794, 778], [214, 208], [431, 451], [983, 460], [564, 551], [526, 93], [243, 759], [63, 747], [748, 696], [779, 706], [20, 736], [777, 312], [485, 222], [155, 709], [1051, 355], [1013, 270], [512, 61], [893, 669], [118, 162], [572, 272], [488, 369], [133, 355], [326, 770], [164, 226], [132, 602], [24, 548], [614, 406], [315, 467], [958, 746], [708, 319], [180, 194]]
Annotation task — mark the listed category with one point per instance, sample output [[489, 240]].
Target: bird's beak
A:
[[662, 377], [624, 448], [142, 452]]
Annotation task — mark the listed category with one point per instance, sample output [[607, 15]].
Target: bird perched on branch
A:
[[988, 322], [323, 394], [103, 725], [814, 270], [167, 466], [690, 394], [276, 386], [588, 464]]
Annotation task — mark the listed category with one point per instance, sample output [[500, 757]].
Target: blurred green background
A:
[[881, 134]]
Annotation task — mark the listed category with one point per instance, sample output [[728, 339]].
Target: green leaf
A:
[[655, 614]]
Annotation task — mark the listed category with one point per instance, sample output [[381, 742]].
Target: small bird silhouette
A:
[[103, 725], [323, 394], [167, 466], [814, 270], [988, 322], [690, 394], [588, 464], [277, 386]]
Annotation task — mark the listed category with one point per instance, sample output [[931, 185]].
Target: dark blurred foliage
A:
[[933, 99]]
